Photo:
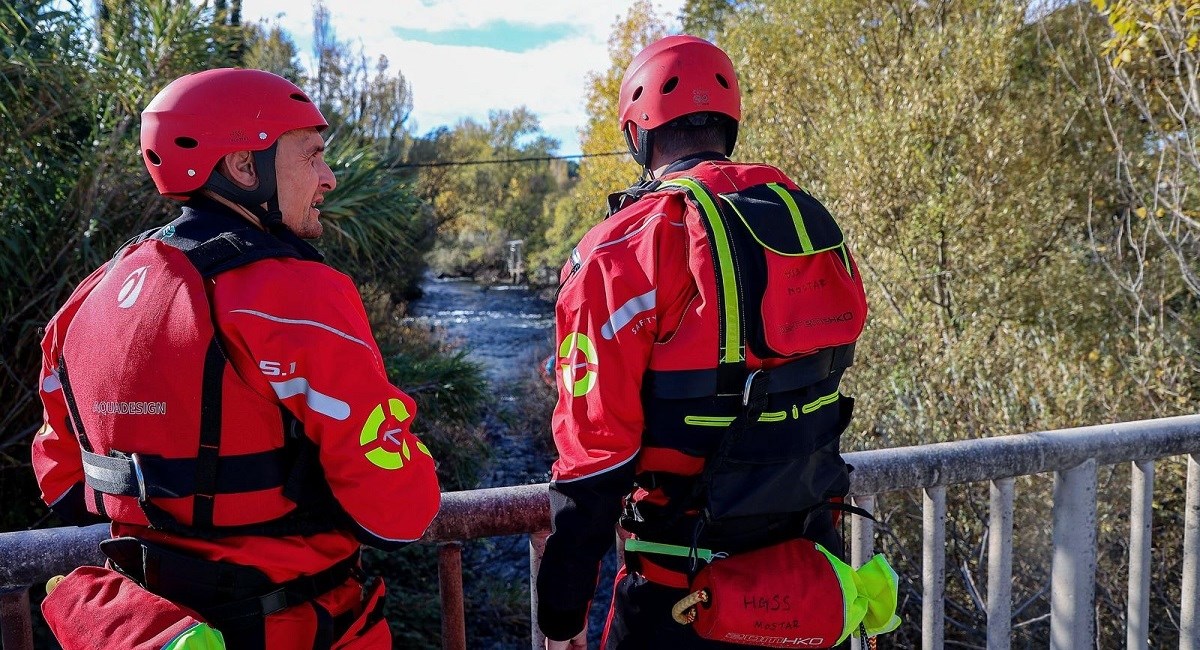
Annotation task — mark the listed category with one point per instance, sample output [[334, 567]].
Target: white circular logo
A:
[[132, 288]]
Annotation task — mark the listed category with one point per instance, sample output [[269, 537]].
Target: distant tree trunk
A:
[[229, 12]]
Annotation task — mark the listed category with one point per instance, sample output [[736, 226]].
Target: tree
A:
[[74, 183], [586, 204], [368, 98], [706, 18], [271, 48], [385, 105], [1150, 54], [499, 195], [961, 148]]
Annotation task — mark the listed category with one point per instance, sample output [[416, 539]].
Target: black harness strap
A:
[[118, 474], [801, 372], [224, 593], [73, 408], [207, 458]]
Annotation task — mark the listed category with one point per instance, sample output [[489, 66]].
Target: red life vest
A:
[[171, 436], [753, 369]]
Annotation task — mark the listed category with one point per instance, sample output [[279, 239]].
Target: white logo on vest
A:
[[132, 288]]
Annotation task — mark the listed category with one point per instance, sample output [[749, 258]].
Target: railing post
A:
[[933, 579], [862, 542], [454, 622], [16, 623], [999, 587], [1189, 611], [537, 546], [862, 532], [1073, 569], [1141, 519]]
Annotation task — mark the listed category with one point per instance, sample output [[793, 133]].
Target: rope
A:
[[684, 611]]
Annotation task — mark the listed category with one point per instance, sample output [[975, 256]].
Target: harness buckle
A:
[[754, 393], [136, 458]]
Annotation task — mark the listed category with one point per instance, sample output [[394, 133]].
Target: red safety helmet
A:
[[200, 117], [673, 77]]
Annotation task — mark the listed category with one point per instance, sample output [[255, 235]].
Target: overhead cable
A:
[[455, 163]]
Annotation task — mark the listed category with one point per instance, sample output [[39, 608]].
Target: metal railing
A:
[[1072, 455]]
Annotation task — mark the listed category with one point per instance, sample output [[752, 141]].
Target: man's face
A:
[[304, 178]]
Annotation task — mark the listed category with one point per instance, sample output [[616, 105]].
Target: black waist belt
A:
[[147, 476], [804, 371], [222, 592]]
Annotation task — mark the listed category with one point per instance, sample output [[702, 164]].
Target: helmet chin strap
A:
[[641, 149], [265, 192]]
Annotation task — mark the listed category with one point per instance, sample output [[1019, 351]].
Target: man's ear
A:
[[238, 167]]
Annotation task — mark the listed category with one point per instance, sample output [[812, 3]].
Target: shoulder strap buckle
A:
[[140, 477], [754, 393]]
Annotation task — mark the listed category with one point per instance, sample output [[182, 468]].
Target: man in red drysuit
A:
[[662, 320], [216, 393]]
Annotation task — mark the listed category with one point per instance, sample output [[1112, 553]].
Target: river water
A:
[[508, 330]]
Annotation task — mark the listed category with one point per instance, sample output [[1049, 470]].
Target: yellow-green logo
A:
[[392, 450], [578, 364]]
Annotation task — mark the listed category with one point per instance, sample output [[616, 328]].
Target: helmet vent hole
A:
[[184, 142], [670, 85], [637, 93], [153, 158], [301, 98], [721, 80]]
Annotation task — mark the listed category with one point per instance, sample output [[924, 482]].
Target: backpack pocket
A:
[[787, 466], [803, 291]]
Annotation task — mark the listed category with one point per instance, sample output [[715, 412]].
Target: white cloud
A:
[[454, 82]]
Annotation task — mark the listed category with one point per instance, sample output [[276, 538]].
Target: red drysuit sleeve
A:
[[297, 332], [57, 462], [623, 289]]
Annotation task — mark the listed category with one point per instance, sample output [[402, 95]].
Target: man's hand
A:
[[577, 643]]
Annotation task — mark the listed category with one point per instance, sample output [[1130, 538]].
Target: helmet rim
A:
[[199, 118]]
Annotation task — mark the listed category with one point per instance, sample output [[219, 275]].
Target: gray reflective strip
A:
[[603, 471], [317, 401], [386, 539], [624, 315], [293, 321], [105, 474], [51, 383], [657, 215]]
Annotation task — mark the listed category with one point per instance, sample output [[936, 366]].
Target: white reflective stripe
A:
[[51, 383], [392, 539], [603, 471], [645, 224], [386, 539], [626, 236], [294, 321], [60, 497], [317, 401], [625, 313]]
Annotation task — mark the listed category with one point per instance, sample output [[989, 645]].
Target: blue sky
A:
[[498, 35], [466, 57]]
